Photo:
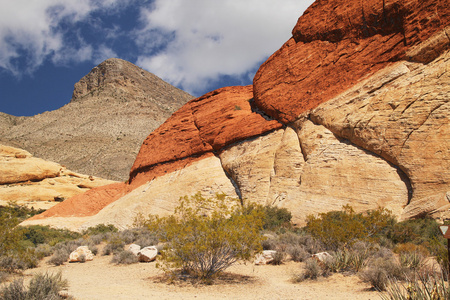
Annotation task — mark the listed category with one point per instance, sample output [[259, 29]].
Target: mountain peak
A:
[[121, 80]]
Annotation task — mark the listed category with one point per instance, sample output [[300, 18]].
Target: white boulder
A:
[[265, 257], [148, 254], [135, 249], [81, 254]]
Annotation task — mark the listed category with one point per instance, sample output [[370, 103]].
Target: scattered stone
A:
[[135, 249], [264, 258], [148, 254], [322, 256], [81, 254]]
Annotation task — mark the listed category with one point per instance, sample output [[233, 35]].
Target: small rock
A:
[[148, 254], [82, 254], [265, 257], [322, 256], [135, 249]]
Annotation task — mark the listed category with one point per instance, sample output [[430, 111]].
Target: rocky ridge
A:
[[99, 132], [34, 182], [353, 109]]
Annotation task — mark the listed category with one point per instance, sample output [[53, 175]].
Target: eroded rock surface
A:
[[31, 181], [402, 114], [352, 110], [203, 125], [337, 43], [159, 196]]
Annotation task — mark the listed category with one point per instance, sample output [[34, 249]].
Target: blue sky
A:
[[46, 46]]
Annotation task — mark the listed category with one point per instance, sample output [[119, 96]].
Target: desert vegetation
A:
[[206, 236], [402, 260]]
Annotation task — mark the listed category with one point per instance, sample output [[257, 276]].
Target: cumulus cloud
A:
[[198, 41], [33, 31], [192, 44]]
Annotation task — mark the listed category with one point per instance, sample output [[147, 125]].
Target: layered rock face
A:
[[99, 132], [352, 110], [402, 114], [34, 182], [180, 158], [339, 42]]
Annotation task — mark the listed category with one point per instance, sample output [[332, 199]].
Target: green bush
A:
[[275, 217], [14, 254], [422, 231], [100, 229], [338, 229], [206, 236], [37, 234], [19, 211]]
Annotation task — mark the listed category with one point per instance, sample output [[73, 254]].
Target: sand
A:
[[99, 279]]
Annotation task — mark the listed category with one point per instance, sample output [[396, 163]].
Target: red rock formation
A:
[[203, 125], [337, 43], [86, 204]]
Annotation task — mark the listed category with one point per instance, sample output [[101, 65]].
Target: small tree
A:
[[206, 236]]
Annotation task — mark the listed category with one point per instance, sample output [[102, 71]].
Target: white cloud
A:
[[210, 38], [190, 43], [30, 33]]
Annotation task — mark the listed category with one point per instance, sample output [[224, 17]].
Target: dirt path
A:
[[98, 279]]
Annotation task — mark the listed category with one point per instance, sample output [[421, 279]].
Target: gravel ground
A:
[[99, 279]]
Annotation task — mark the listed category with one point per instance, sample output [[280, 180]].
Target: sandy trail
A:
[[98, 279]]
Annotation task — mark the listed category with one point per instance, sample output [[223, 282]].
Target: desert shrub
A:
[[422, 231], [312, 270], [128, 236], [10, 237], [145, 237], [43, 250], [96, 239], [206, 236], [114, 245], [338, 229], [380, 271], [100, 229], [14, 250], [269, 243], [311, 244], [124, 257], [340, 261], [412, 260], [41, 286], [298, 253], [93, 248], [38, 234], [3, 276], [22, 260], [275, 217], [412, 256], [420, 286], [278, 258], [19, 211], [59, 257], [14, 291], [290, 239]]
